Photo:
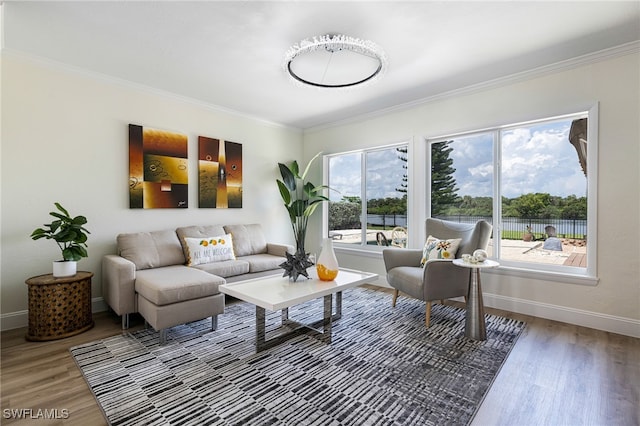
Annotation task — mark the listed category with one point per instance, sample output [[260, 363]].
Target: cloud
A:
[[384, 174], [535, 158], [344, 176]]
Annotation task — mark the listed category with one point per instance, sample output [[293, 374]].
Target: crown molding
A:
[[70, 69], [591, 58], [579, 61]]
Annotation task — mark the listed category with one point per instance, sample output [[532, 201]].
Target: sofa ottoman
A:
[[176, 295]]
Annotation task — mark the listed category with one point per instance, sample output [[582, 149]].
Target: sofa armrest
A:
[[394, 257], [279, 249], [118, 284]]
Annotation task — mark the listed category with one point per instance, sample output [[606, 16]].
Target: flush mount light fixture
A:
[[335, 61]]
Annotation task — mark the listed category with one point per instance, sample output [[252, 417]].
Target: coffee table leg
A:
[[326, 323], [325, 335], [260, 328]]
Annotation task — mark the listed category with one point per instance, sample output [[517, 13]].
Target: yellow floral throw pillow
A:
[[435, 248], [209, 249]]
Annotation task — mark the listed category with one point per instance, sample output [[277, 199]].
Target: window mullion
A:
[[497, 194], [363, 198]]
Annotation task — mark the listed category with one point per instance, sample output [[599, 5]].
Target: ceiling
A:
[[229, 54]]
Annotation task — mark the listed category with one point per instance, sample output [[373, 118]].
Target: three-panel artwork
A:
[[159, 170]]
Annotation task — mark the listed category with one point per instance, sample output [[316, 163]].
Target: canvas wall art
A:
[[220, 173], [158, 169]]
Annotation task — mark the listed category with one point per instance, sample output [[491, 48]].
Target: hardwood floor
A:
[[557, 374]]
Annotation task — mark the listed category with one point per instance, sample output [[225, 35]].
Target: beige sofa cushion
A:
[[163, 286], [151, 249], [263, 262], [247, 239], [225, 268]]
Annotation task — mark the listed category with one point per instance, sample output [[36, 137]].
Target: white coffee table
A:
[[475, 324], [279, 293]]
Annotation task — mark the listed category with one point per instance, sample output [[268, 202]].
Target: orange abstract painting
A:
[[158, 169], [220, 173]]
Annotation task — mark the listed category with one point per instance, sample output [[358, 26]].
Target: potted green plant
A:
[[70, 236], [301, 198]]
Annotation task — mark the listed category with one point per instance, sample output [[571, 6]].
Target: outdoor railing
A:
[[512, 227]]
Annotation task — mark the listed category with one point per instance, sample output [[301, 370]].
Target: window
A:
[[529, 180], [368, 197], [462, 179]]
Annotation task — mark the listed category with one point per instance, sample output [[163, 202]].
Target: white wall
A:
[[65, 138], [614, 303]]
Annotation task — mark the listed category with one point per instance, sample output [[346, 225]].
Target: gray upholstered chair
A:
[[439, 279]]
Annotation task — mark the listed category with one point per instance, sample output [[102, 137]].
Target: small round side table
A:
[[475, 324], [59, 307]]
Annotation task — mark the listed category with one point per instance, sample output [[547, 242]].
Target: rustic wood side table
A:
[[59, 307]]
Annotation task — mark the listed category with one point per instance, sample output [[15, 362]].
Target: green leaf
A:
[[306, 170], [81, 239], [284, 192], [309, 189], [79, 220], [312, 208], [295, 169], [39, 233], [287, 177], [62, 209], [54, 226], [59, 216], [74, 253], [298, 207]]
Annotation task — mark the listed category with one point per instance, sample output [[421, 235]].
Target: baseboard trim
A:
[[20, 319], [598, 321], [610, 323], [604, 322]]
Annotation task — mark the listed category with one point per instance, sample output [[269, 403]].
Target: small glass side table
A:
[[475, 324]]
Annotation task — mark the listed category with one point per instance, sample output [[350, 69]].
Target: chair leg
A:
[[427, 317], [395, 297]]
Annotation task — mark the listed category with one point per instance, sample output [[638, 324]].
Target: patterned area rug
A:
[[382, 368]]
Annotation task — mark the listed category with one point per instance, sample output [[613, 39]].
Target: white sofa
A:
[[153, 273]]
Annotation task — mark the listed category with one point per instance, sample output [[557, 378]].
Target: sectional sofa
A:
[[171, 277]]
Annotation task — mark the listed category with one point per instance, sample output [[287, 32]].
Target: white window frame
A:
[[559, 273], [364, 248]]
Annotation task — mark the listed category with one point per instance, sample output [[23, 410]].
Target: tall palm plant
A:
[[301, 198]]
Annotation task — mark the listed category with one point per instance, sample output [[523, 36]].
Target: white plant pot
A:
[[64, 268]]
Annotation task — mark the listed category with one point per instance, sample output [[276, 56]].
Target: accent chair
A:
[[438, 279]]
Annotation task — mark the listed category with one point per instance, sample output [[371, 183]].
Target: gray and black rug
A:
[[382, 368]]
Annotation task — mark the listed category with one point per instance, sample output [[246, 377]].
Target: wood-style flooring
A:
[[557, 374]]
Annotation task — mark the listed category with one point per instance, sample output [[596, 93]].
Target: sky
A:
[[536, 158], [384, 174]]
